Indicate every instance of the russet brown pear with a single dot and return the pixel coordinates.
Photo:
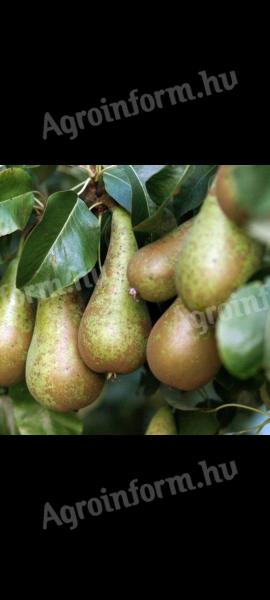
(227, 194)
(151, 272)
(178, 353)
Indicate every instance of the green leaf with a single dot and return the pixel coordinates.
(117, 185)
(241, 328)
(7, 420)
(140, 198)
(32, 419)
(190, 400)
(61, 249)
(253, 188)
(266, 357)
(193, 189)
(162, 185)
(145, 172)
(16, 200)
(198, 423)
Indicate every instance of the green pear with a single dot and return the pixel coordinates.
(227, 194)
(217, 258)
(56, 376)
(17, 319)
(115, 326)
(162, 423)
(151, 271)
(179, 353)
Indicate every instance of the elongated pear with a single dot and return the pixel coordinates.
(162, 423)
(16, 328)
(179, 354)
(56, 376)
(115, 326)
(151, 271)
(217, 258)
(227, 194)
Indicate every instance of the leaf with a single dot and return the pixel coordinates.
(61, 249)
(193, 189)
(240, 330)
(162, 185)
(7, 422)
(266, 355)
(140, 198)
(16, 200)
(190, 400)
(32, 419)
(198, 423)
(252, 184)
(170, 180)
(117, 185)
(145, 172)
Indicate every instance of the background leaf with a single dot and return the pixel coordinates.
(117, 185)
(61, 249)
(32, 419)
(162, 185)
(140, 197)
(16, 200)
(199, 423)
(240, 331)
(193, 189)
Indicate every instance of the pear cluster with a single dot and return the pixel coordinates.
(65, 351)
(202, 262)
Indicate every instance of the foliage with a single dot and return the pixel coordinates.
(59, 211)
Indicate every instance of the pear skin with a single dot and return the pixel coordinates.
(56, 376)
(217, 258)
(151, 272)
(178, 353)
(162, 423)
(17, 319)
(115, 326)
(227, 194)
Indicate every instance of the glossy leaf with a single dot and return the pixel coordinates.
(193, 189)
(32, 419)
(117, 185)
(253, 188)
(141, 201)
(16, 200)
(190, 400)
(162, 185)
(145, 172)
(61, 249)
(241, 330)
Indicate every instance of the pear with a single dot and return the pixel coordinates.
(178, 353)
(115, 326)
(217, 258)
(151, 272)
(162, 423)
(17, 319)
(56, 376)
(227, 194)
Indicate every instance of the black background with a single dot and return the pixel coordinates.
(232, 127)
